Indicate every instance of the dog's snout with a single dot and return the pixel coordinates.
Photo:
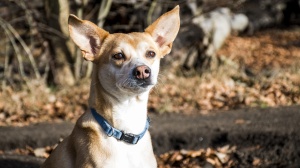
(142, 72)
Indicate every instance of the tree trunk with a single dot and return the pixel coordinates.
(61, 48)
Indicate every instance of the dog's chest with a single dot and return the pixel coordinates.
(129, 156)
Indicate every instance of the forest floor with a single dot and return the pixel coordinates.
(257, 72)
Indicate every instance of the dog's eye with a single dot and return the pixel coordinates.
(118, 56)
(150, 54)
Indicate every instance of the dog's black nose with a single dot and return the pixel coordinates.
(142, 72)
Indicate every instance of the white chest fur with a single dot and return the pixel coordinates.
(129, 156)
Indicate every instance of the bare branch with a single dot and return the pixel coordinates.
(103, 11)
(6, 75)
(15, 46)
(150, 12)
(25, 47)
(30, 20)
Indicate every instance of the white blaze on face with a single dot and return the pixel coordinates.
(142, 48)
(141, 51)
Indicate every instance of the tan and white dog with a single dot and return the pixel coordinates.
(115, 132)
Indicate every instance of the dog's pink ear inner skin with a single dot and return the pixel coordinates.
(164, 30)
(87, 36)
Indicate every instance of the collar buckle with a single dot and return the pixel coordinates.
(129, 138)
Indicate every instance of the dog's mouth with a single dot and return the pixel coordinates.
(134, 85)
(145, 85)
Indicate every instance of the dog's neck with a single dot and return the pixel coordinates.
(127, 113)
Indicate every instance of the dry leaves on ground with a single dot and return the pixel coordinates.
(197, 158)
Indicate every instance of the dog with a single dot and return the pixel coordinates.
(114, 132)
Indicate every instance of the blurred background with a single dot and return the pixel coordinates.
(229, 54)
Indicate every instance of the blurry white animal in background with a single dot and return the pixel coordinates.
(211, 29)
(217, 25)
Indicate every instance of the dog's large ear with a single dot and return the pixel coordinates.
(87, 36)
(164, 30)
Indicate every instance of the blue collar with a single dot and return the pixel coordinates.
(119, 135)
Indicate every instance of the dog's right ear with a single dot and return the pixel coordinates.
(87, 36)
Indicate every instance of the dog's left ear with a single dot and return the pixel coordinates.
(164, 30)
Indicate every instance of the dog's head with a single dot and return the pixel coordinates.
(126, 62)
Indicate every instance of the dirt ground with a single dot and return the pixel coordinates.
(262, 137)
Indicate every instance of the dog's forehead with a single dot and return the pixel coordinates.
(134, 40)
